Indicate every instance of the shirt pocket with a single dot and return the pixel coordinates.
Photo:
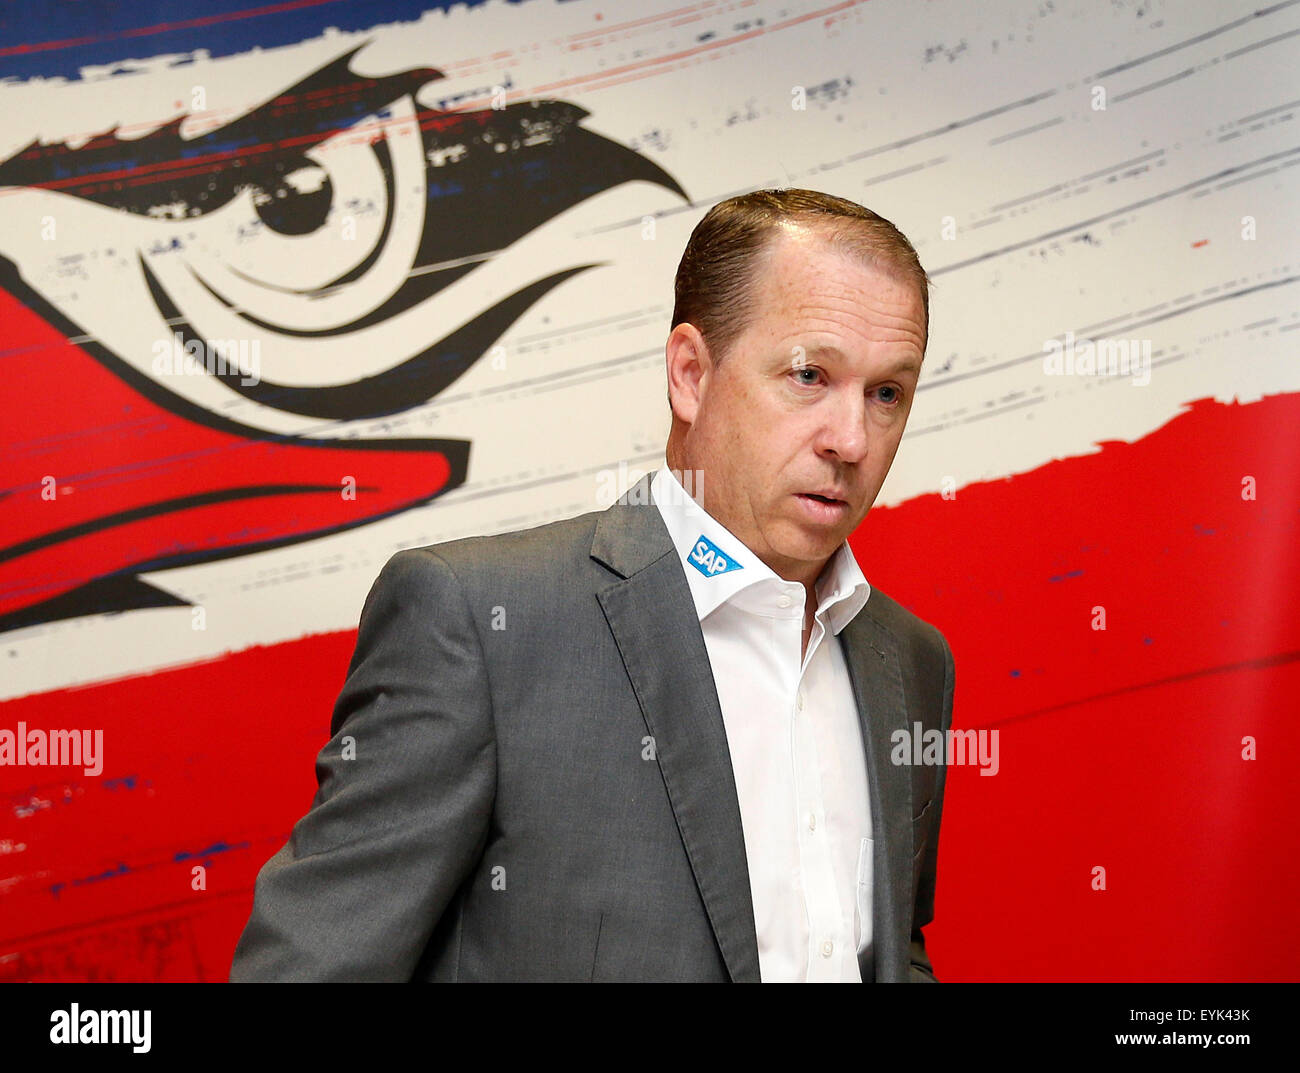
(863, 889)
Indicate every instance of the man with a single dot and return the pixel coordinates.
(652, 742)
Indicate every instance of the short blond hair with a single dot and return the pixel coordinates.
(715, 284)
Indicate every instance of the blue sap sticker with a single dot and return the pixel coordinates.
(709, 559)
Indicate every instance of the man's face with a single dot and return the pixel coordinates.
(811, 400)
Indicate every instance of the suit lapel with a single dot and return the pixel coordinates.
(653, 619)
(872, 657)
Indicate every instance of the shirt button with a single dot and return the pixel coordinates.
(812, 821)
(827, 947)
(799, 700)
(784, 601)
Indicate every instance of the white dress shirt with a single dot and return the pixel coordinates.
(795, 742)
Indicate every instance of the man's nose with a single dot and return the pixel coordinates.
(844, 431)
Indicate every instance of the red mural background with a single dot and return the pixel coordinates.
(1155, 748)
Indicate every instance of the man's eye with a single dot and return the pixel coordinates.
(890, 394)
(810, 371)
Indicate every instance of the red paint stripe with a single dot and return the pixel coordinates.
(127, 470)
(1114, 751)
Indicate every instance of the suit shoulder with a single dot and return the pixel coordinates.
(910, 629)
(925, 660)
(549, 546)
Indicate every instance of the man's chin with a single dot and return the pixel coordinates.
(800, 543)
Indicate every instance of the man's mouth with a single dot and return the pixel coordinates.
(823, 508)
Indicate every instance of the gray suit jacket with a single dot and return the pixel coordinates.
(529, 778)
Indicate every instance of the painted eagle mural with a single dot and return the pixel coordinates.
(214, 434)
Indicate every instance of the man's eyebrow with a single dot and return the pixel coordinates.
(903, 364)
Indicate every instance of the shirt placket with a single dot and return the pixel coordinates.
(815, 849)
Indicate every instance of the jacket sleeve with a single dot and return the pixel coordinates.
(921, 970)
(405, 790)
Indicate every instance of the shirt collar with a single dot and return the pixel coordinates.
(720, 569)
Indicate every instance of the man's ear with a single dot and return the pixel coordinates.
(689, 366)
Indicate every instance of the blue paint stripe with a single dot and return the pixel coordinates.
(59, 37)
